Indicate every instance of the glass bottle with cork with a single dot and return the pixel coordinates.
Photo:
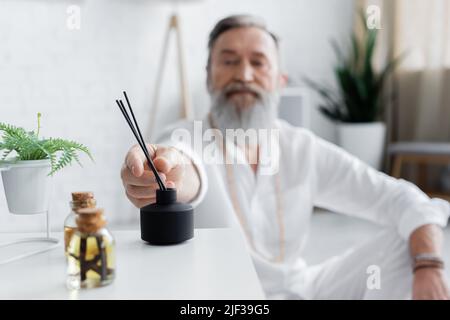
(91, 251)
(80, 200)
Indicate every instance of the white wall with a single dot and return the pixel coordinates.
(73, 77)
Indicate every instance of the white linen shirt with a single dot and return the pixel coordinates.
(313, 172)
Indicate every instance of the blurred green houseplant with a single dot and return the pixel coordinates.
(360, 96)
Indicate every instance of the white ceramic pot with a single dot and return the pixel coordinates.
(27, 186)
(363, 140)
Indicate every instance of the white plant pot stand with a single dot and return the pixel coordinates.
(47, 239)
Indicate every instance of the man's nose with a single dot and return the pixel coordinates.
(244, 72)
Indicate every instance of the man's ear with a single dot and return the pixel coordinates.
(283, 80)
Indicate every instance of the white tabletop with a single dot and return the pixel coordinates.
(212, 265)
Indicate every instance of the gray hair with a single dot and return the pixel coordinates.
(233, 22)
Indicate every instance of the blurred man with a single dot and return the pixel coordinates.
(273, 209)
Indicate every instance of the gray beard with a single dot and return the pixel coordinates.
(261, 115)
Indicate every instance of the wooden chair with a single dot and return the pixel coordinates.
(420, 154)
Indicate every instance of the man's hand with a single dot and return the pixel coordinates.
(175, 169)
(430, 284)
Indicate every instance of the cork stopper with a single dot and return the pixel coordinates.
(83, 199)
(90, 220)
(82, 195)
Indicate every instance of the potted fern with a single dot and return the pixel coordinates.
(27, 164)
(358, 105)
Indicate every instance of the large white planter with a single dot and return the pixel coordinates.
(363, 140)
(27, 186)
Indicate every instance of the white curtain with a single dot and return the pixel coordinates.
(423, 30)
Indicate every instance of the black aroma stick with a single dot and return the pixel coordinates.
(137, 133)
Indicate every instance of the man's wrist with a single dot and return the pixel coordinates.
(191, 189)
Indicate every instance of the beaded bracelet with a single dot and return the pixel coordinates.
(428, 265)
(427, 260)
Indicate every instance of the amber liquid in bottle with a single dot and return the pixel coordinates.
(90, 258)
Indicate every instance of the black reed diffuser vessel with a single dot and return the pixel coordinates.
(166, 221)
